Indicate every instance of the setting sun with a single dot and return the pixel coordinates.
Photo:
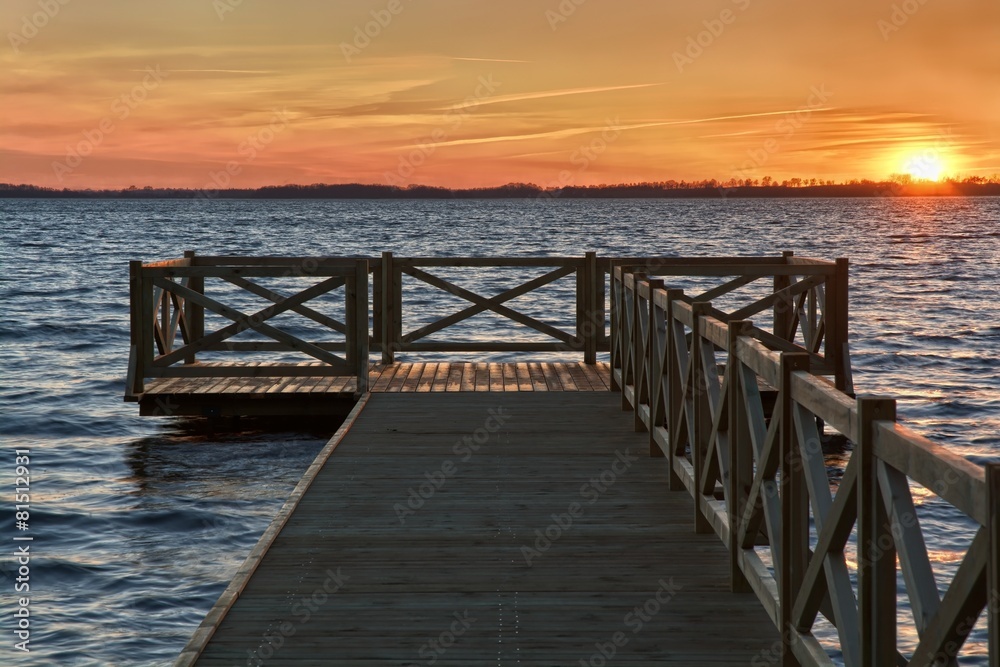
(925, 166)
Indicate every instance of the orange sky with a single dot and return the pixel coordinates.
(109, 93)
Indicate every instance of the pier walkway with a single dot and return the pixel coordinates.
(488, 529)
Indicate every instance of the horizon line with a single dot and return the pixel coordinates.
(673, 183)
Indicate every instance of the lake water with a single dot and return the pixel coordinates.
(139, 523)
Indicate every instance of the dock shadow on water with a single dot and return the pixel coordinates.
(190, 501)
(205, 490)
(188, 450)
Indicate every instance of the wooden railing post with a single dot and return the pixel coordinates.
(350, 323)
(673, 401)
(147, 319)
(376, 305)
(782, 307)
(876, 548)
(698, 390)
(194, 313)
(581, 305)
(794, 508)
(626, 319)
(836, 314)
(600, 300)
(590, 326)
(136, 363)
(655, 370)
(993, 571)
(396, 289)
(357, 323)
(615, 324)
(388, 310)
(643, 368)
(740, 455)
(635, 343)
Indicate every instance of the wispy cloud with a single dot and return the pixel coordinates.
(570, 132)
(728, 134)
(491, 60)
(220, 71)
(520, 97)
(713, 119)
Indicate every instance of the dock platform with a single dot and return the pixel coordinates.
(316, 395)
(671, 505)
(551, 542)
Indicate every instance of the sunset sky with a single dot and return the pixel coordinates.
(244, 93)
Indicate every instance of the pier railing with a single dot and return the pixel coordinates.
(169, 306)
(746, 442)
(586, 312)
(169, 302)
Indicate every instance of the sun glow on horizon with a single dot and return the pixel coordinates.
(927, 165)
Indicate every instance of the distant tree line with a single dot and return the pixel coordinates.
(897, 186)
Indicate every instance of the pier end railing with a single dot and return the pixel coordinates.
(168, 304)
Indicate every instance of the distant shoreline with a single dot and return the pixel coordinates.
(667, 190)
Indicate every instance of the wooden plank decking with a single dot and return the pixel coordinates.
(303, 394)
(406, 579)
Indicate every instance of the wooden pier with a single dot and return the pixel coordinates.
(470, 548)
(669, 506)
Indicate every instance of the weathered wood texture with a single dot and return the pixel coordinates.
(396, 377)
(759, 479)
(462, 550)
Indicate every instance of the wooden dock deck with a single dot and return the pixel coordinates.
(471, 550)
(312, 395)
(726, 536)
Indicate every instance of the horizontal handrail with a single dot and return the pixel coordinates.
(303, 263)
(460, 262)
(958, 481)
